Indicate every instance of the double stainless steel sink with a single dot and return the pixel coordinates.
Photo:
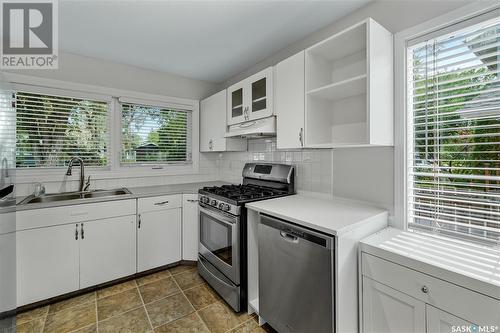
(74, 196)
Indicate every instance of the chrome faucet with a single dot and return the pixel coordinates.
(82, 172)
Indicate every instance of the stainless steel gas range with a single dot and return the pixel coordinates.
(222, 258)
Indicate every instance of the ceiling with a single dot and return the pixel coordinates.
(205, 40)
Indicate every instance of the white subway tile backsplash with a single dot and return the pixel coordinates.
(313, 166)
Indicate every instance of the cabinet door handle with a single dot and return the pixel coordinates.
(76, 232)
(82, 231)
(425, 289)
(210, 145)
(161, 203)
(301, 136)
(192, 200)
(139, 222)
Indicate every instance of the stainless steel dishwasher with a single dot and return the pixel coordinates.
(296, 277)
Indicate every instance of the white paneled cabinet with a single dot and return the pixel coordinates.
(289, 102)
(159, 234)
(251, 98)
(388, 310)
(439, 321)
(63, 249)
(404, 293)
(213, 126)
(190, 227)
(7, 261)
(107, 250)
(47, 262)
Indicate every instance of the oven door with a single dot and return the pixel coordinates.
(219, 241)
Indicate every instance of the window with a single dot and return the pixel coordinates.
(453, 133)
(153, 134)
(51, 129)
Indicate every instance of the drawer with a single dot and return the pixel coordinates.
(159, 203)
(462, 302)
(45, 217)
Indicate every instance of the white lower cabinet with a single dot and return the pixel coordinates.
(7, 261)
(439, 321)
(388, 310)
(396, 298)
(107, 250)
(159, 234)
(190, 227)
(47, 262)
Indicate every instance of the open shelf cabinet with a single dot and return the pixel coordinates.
(349, 88)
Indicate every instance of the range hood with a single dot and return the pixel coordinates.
(258, 128)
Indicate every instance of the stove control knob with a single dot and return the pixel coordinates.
(226, 207)
(205, 200)
(214, 203)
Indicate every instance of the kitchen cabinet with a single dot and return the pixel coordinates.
(47, 262)
(349, 88)
(403, 292)
(107, 250)
(159, 234)
(251, 98)
(7, 261)
(213, 126)
(64, 249)
(439, 321)
(388, 310)
(289, 102)
(190, 227)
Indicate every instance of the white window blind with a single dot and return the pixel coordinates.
(453, 143)
(154, 134)
(51, 129)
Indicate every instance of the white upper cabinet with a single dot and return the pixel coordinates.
(251, 98)
(349, 88)
(289, 102)
(213, 126)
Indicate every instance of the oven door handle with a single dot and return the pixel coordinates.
(218, 217)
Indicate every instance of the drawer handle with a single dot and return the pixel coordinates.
(425, 289)
(78, 213)
(161, 203)
(192, 200)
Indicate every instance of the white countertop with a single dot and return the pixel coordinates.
(464, 263)
(332, 216)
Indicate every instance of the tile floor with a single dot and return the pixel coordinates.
(173, 300)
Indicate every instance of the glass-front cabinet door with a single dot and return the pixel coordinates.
(251, 98)
(261, 94)
(237, 108)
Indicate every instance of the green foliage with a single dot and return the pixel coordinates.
(52, 130)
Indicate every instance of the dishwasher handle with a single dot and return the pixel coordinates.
(289, 238)
(292, 233)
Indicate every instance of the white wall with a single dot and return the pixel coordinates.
(86, 70)
(365, 174)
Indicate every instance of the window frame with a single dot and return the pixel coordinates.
(455, 20)
(162, 104)
(114, 168)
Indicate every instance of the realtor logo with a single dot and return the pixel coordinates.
(29, 34)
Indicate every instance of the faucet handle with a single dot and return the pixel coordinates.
(87, 184)
(39, 190)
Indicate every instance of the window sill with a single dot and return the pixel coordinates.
(456, 261)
